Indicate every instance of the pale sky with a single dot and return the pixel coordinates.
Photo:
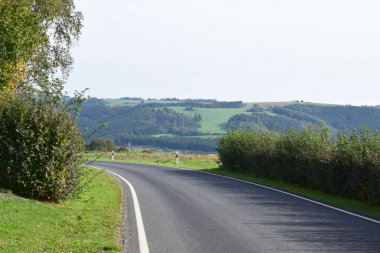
(324, 51)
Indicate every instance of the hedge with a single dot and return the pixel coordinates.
(346, 165)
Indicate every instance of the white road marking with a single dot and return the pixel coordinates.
(291, 194)
(143, 243)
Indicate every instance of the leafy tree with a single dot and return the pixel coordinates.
(39, 140)
(20, 36)
(35, 41)
(101, 145)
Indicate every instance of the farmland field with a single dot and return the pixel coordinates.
(213, 119)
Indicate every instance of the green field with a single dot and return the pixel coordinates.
(213, 119)
(87, 224)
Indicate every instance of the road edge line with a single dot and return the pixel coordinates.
(143, 243)
(287, 193)
(291, 194)
(270, 188)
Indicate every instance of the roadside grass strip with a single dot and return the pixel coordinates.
(87, 224)
(143, 243)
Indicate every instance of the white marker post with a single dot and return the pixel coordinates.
(113, 155)
(177, 157)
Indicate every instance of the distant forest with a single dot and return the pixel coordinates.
(154, 122)
(143, 119)
(300, 115)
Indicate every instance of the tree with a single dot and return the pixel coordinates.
(35, 41)
(39, 140)
(101, 145)
(20, 36)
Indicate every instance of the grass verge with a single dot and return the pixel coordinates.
(87, 224)
(192, 161)
(209, 165)
(190, 164)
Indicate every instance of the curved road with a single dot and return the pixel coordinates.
(188, 211)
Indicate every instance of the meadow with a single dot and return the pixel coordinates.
(213, 119)
(193, 161)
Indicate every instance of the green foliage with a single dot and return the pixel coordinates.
(39, 140)
(40, 148)
(264, 121)
(138, 120)
(35, 41)
(101, 145)
(347, 165)
(339, 116)
(356, 158)
(301, 115)
(20, 35)
(129, 118)
(188, 103)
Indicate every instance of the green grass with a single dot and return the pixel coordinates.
(213, 119)
(87, 224)
(190, 164)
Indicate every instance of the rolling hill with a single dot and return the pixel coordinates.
(195, 124)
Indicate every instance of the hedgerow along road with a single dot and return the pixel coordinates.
(190, 211)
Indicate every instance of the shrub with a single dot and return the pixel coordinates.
(40, 148)
(101, 145)
(347, 165)
(122, 150)
(356, 161)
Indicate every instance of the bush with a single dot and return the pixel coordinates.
(101, 145)
(347, 165)
(122, 150)
(40, 148)
(356, 161)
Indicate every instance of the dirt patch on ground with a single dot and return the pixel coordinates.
(3, 195)
(9, 195)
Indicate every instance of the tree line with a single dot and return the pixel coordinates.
(136, 120)
(301, 115)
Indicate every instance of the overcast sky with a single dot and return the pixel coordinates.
(269, 50)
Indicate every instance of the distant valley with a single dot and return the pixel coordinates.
(195, 124)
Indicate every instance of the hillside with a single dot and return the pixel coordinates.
(195, 124)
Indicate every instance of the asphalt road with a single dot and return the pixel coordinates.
(188, 211)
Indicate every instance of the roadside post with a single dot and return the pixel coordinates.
(177, 157)
(113, 155)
